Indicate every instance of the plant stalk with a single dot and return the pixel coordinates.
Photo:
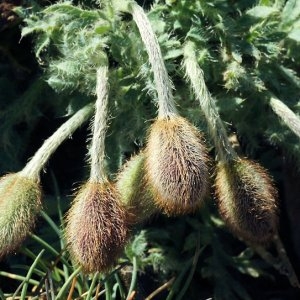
(225, 151)
(38, 161)
(97, 173)
(163, 84)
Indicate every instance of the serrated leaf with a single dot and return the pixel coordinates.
(295, 35)
(291, 11)
(261, 12)
(172, 54)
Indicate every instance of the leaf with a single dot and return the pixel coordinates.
(291, 11)
(261, 12)
(295, 35)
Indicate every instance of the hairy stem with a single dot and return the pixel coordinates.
(216, 127)
(41, 157)
(162, 81)
(98, 173)
(286, 115)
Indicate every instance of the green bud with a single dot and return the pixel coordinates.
(20, 203)
(97, 228)
(176, 165)
(247, 200)
(133, 189)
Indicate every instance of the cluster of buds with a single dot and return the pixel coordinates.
(171, 175)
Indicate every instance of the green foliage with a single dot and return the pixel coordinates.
(248, 50)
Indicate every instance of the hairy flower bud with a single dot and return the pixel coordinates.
(176, 165)
(133, 189)
(96, 230)
(247, 200)
(20, 203)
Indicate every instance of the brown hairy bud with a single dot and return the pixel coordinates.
(20, 203)
(96, 230)
(247, 200)
(134, 191)
(176, 165)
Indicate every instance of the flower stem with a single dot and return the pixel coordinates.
(224, 150)
(162, 81)
(98, 173)
(41, 157)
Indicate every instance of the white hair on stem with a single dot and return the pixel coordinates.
(38, 161)
(97, 151)
(195, 75)
(286, 115)
(163, 84)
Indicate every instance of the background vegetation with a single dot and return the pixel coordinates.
(249, 52)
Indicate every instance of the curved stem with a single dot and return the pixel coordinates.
(98, 173)
(133, 278)
(216, 127)
(41, 157)
(285, 114)
(162, 81)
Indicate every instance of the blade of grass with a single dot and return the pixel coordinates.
(17, 277)
(133, 277)
(49, 248)
(107, 290)
(51, 223)
(92, 286)
(61, 219)
(30, 254)
(191, 273)
(120, 285)
(29, 274)
(63, 289)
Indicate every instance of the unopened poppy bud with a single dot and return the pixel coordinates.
(134, 191)
(247, 200)
(96, 230)
(20, 204)
(176, 165)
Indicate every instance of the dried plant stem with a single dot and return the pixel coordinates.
(97, 151)
(70, 295)
(194, 73)
(161, 288)
(286, 115)
(162, 81)
(41, 157)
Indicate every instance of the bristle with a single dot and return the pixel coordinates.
(176, 165)
(247, 200)
(134, 191)
(20, 203)
(96, 230)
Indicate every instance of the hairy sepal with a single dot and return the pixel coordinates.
(97, 227)
(134, 191)
(247, 200)
(20, 204)
(176, 165)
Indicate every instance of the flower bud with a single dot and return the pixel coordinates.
(20, 203)
(134, 192)
(176, 165)
(96, 230)
(247, 200)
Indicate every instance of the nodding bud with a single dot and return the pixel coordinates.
(20, 204)
(134, 191)
(96, 230)
(247, 200)
(176, 165)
